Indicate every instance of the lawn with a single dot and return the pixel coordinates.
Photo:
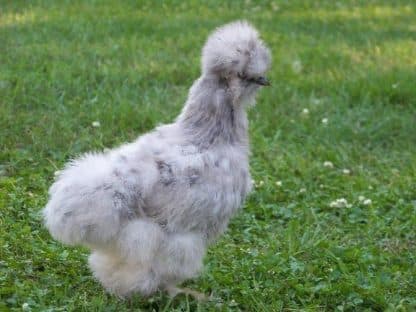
(331, 223)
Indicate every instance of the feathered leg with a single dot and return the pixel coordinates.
(146, 259)
(128, 267)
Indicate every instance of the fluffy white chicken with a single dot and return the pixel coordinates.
(148, 209)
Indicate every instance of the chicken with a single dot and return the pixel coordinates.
(147, 210)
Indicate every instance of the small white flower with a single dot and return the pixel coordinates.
(361, 198)
(96, 124)
(305, 111)
(328, 164)
(316, 101)
(233, 303)
(25, 306)
(324, 121)
(3, 84)
(346, 171)
(57, 173)
(339, 203)
(302, 190)
(261, 183)
(297, 66)
(278, 183)
(367, 202)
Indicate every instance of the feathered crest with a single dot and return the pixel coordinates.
(235, 48)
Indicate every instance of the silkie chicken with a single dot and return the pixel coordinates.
(148, 210)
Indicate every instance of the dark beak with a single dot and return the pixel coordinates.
(262, 81)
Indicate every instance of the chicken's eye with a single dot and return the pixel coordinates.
(242, 76)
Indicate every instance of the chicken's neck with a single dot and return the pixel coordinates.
(210, 118)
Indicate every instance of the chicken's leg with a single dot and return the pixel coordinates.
(173, 291)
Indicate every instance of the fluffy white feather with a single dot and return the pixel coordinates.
(148, 209)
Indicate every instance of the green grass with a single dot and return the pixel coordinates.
(65, 64)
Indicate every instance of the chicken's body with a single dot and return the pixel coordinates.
(149, 209)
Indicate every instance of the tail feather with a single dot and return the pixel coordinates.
(86, 204)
